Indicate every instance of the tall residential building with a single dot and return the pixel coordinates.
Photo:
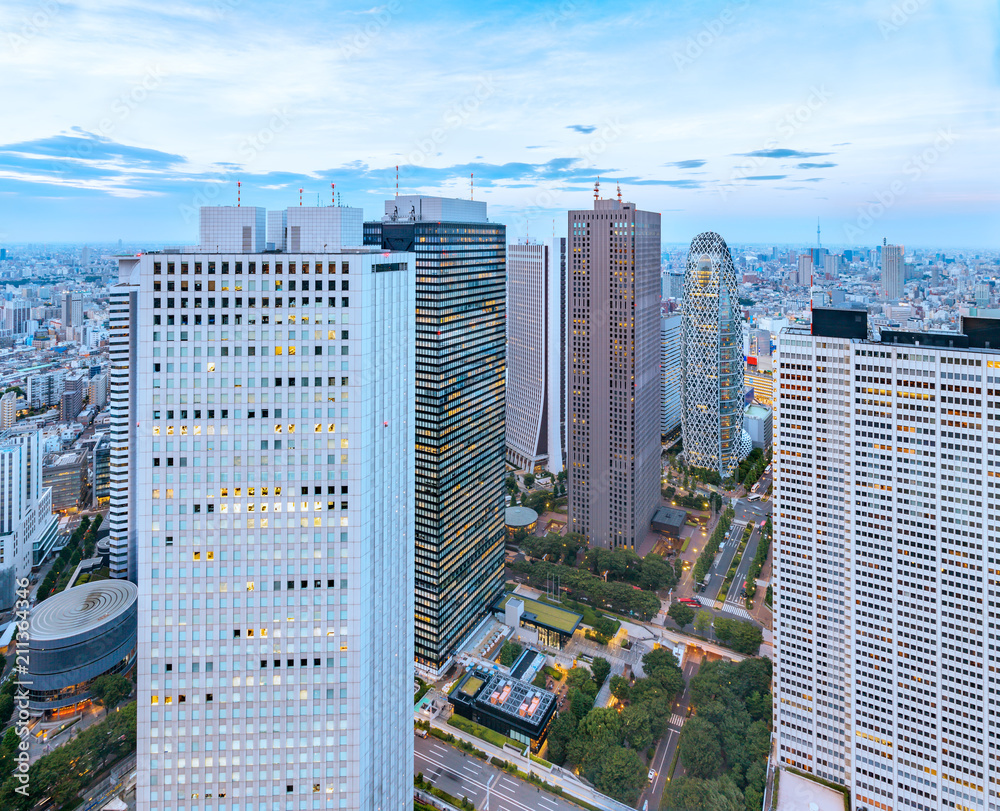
(563, 281)
(613, 373)
(886, 493)
(534, 350)
(892, 272)
(269, 400)
(804, 271)
(45, 389)
(712, 357)
(16, 315)
(72, 314)
(8, 410)
(670, 372)
(460, 367)
(74, 393)
(25, 507)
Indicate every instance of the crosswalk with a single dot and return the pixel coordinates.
(677, 720)
(736, 610)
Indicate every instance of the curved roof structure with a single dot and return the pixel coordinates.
(520, 517)
(81, 609)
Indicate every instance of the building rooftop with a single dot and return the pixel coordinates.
(82, 608)
(520, 517)
(797, 793)
(558, 619)
(757, 412)
(669, 517)
(509, 696)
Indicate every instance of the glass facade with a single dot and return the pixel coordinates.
(712, 357)
(461, 371)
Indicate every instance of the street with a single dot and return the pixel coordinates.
(463, 775)
(665, 749)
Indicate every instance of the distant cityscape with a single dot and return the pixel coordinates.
(255, 475)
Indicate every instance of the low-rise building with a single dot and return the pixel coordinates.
(66, 474)
(554, 626)
(506, 705)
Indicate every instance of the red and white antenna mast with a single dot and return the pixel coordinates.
(597, 187)
(619, 193)
(238, 184)
(472, 185)
(397, 180)
(333, 194)
(300, 197)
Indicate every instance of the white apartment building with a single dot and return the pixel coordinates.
(26, 518)
(262, 470)
(886, 576)
(534, 359)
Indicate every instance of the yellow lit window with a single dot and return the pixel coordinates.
(210, 367)
(278, 350)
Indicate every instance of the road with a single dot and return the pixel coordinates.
(463, 775)
(735, 594)
(664, 754)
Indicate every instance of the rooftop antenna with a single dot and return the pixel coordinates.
(318, 204)
(397, 180)
(300, 197)
(472, 185)
(333, 194)
(819, 243)
(597, 187)
(238, 184)
(619, 193)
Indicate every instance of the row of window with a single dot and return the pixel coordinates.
(265, 268)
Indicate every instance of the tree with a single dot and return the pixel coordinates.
(623, 775)
(661, 668)
(601, 667)
(561, 732)
(539, 680)
(636, 727)
(620, 688)
(8, 751)
(111, 689)
(509, 653)
(742, 636)
(700, 751)
(693, 794)
(529, 480)
(6, 707)
(579, 702)
(702, 622)
(681, 614)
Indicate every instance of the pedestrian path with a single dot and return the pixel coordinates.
(736, 610)
(677, 720)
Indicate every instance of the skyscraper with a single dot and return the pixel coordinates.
(534, 350)
(72, 310)
(805, 270)
(613, 372)
(892, 271)
(8, 410)
(885, 494)
(711, 357)
(460, 377)
(670, 372)
(270, 448)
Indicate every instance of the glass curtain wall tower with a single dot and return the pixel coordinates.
(712, 357)
(460, 389)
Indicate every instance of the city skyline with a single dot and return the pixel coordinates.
(877, 144)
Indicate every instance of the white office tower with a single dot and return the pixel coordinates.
(25, 508)
(534, 371)
(886, 492)
(670, 372)
(892, 271)
(272, 423)
(232, 229)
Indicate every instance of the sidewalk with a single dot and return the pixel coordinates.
(555, 776)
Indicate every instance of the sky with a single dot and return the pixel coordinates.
(880, 118)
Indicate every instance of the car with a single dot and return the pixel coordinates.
(651, 775)
(420, 731)
(722, 547)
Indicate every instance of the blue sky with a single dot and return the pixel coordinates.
(750, 118)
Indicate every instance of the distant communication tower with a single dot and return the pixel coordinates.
(597, 187)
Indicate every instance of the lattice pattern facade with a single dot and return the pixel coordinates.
(711, 349)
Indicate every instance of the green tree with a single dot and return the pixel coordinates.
(702, 622)
(509, 653)
(561, 732)
(623, 775)
(600, 668)
(6, 707)
(620, 688)
(700, 750)
(636, 727)
(111, 689)
(529, 480)
(661, 667)
(539, 680)
(694, 794)
(682, 614)
(742, 636)
(8, 751)
(579, 702)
